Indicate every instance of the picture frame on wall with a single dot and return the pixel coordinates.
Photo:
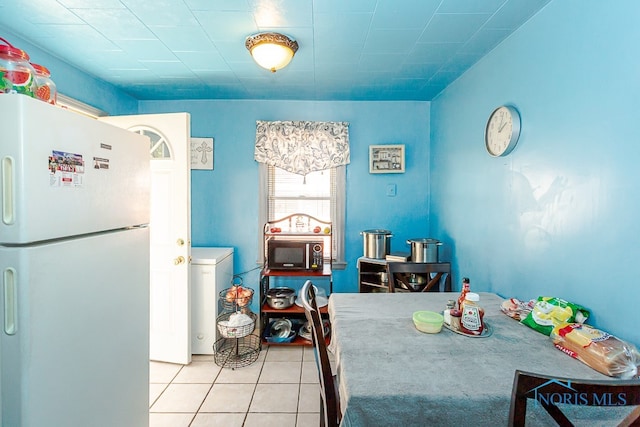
(202, 153)
(386, 158)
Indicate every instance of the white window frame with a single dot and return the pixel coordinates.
(338, 209)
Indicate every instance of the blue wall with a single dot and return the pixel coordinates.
(76, 83)
(558, 216)
(225, 200)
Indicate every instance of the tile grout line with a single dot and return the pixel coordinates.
(207, 394)
(245, 415)
(166, 386)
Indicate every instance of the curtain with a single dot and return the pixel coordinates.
(302, 147)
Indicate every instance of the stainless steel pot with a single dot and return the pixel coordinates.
(376, 243)
(281, 298)
(424, 250)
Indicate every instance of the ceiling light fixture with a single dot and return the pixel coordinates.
(272, 51)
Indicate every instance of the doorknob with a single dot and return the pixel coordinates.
(179, 260)
(180, 242)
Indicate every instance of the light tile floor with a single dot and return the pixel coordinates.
(279, 389)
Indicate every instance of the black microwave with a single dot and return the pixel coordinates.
(295, 255)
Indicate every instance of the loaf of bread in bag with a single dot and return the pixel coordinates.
(601, 351)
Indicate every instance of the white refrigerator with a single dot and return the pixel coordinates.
(74, 269)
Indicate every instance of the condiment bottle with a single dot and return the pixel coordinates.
(455, 316)
(471, 321)
(16, 73)
(451, 305)
(466, 288)
(46, 91)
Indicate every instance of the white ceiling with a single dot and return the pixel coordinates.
(194, 49)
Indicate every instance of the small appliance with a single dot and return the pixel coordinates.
(302, 255)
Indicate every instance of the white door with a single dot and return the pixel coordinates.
(170, 231)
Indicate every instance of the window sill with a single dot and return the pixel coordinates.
(339, 265)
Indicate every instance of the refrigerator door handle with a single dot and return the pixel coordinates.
(10, 301)
(8, 204)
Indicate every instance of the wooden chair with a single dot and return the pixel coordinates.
(399, 273)
(330, 414)
(547, 390)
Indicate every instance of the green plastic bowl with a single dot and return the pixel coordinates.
(429, 322)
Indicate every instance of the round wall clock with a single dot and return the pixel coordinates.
(502, 131)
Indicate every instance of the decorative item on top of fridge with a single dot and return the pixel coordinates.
(18, 75)
(46, 91)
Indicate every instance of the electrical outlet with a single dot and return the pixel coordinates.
(391, 190)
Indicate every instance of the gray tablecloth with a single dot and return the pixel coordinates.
(391, 374)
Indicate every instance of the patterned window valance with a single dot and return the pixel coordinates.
(302, 147)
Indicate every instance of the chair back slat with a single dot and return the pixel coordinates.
(527, 385)
(329, 400)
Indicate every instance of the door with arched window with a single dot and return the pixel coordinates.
(170, 231)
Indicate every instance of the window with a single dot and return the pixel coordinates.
(319, 194)
(316, 154)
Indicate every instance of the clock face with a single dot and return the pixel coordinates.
(503, 131)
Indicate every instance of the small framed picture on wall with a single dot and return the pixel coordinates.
(386, 158)
(202, 153)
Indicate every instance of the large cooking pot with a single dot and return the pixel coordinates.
(424, 250)
(376, 243)
(281, 298)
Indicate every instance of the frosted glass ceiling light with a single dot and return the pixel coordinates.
(272, 51)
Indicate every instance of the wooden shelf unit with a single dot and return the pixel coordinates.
(372, 272)
(289, 231)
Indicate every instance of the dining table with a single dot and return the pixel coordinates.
(391, 374)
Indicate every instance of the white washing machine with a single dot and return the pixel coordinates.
(211, 272)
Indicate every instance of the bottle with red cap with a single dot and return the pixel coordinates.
(46, 91)
(16, 73)
(471, 320)
(466, 288)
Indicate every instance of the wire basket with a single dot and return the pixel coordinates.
(235, 297)
(236, 353)
(235, 331)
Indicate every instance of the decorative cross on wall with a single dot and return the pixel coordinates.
(204, 149)
(200, 149)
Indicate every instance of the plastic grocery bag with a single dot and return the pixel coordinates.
(549, 312)
(603, 352)
(517, 309)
